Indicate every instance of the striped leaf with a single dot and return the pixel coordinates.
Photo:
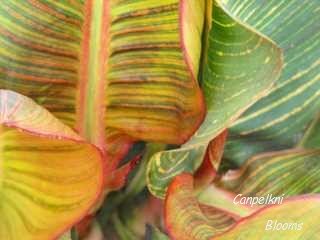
(115, 71)
(101, 66)
(286, 221)
(277, 120)
(284, 173)
(241, 65)
(186, 219)
(152, 91)
(272, 176)
(49, 177)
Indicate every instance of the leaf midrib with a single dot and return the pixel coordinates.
(93, 70)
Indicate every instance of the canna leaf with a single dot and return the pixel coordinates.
(274, 222)
(233, 79)
(117, 72)
(152, 91)
(103, 66)
(185, 218)
(284, 173)
(276, 121)
(210, 165)
(47, 172)
(270, 175)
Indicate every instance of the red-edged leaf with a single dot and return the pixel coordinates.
(49, 176)
(209, 167)
(184, 216)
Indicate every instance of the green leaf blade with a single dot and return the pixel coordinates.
(293, 102)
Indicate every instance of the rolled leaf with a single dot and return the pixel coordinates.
(49, 177)
(210, 165)
(233, 79)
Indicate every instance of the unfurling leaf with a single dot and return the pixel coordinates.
(241, 66)
(210, 165)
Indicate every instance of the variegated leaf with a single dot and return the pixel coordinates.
(185, 220)
(96, 65)
(276, 121)
(49, 176)
(284, 173)
(241, 66)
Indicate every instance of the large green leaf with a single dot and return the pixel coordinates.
(49, 177)
(241, 66)
(126, 65)
(277, 120)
